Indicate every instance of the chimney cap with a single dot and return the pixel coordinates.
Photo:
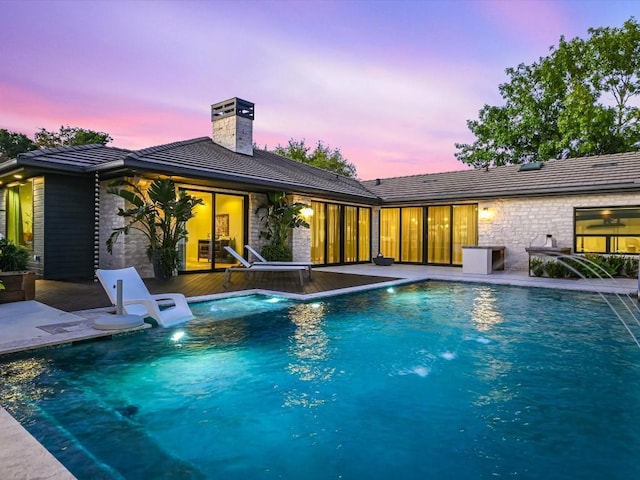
(233, 106)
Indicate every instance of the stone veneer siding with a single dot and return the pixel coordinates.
(129, 250)
(234, 133)
(515, 222)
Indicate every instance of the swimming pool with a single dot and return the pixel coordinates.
(431, 380)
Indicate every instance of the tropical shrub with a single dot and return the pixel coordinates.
(160, 214)
(13, 258)
(279, 217)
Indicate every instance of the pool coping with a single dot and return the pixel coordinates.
(27, 458)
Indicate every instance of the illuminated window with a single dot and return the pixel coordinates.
(20, 214)
(607, 230)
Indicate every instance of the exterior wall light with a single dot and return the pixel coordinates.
(485, 214)
(306, 211)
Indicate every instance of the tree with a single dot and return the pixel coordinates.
(279, 217)
(70, 136)
(160, 215)
(12, 144)
(577, 101)
(322, 157)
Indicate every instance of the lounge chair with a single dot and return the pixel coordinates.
(137, 300)
(262, 260)
(257, 267)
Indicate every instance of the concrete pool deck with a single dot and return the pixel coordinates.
(31, 325)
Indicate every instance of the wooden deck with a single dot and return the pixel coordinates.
(76, 296)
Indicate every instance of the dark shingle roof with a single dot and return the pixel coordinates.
(78, 158)
(202, 158)
(198, 157)
(573, 175)
(206, 159)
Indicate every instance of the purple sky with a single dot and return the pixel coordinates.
(391, 84)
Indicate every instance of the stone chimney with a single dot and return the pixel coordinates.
(233, 125)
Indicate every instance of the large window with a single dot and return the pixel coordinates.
(607, 230)
(439, 234)
(218, 222)
(340, 233)
(390, 232)
(412, 233)
(465, 230)
(20, 214)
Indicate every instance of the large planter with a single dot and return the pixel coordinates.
(18, 286)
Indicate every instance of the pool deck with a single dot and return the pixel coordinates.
(63, 313)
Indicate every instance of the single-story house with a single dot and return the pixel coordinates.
(56, 204)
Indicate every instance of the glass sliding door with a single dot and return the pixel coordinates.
(333, 233)
(465, 229)
(318, 232)
(412, 234)
(217, 223)
(196, 251)
(229, 228)
(364, 234)
(350, 234)
(390, 232)
(439, 235)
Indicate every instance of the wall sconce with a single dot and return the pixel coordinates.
(306, 211)
(485, 214)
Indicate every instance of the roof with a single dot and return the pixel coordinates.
(201, 158)
(603, 173)
(79, 158)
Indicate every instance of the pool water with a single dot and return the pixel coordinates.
(427, 381)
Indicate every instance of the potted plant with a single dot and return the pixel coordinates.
(160, 214)
(279, 217)
(16, 283)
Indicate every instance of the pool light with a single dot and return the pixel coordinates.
(273, 300)
(391, 290)
(177, 335)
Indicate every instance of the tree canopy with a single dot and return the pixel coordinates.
(70, 136)
(579, 100)
(322, 157)
(12, 144)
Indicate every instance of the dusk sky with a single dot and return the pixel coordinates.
(390, 83)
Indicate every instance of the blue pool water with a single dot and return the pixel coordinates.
(430, 381)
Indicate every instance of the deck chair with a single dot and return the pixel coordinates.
(257, 267)
(137, 300)
(262, 260)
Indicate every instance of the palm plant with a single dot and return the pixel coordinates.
(160, 214)
(279, 217)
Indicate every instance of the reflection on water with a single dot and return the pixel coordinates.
(308, 351)
(21, 376)
(485, 312)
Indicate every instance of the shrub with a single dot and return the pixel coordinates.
(537, 266)
(13, 258)
(276, 253)
(631, 267)
(557, 269)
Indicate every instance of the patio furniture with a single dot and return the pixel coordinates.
(137, 300)
(383, 261)
(245, 266)
(263, 261)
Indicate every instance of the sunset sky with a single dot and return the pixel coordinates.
(390, 83)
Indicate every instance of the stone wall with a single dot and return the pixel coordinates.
(129, 250)
(234, 133)
(515, 223)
